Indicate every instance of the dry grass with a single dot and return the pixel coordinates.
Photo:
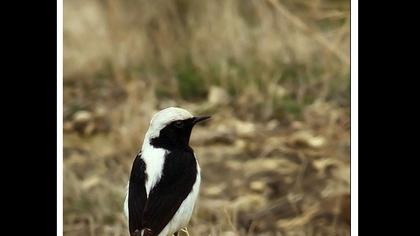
(275, 77)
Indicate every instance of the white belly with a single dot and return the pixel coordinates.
(184, 212)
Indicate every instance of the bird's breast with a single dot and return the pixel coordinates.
(154, 158)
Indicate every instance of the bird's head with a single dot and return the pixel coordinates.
(171, 128)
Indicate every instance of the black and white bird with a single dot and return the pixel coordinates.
(165, 176)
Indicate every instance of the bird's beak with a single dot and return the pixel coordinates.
(197, 119)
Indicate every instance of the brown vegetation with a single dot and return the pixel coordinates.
(273, 74)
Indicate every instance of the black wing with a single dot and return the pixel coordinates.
(177, 181)
(136, 195)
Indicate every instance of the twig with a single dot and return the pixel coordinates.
(185, 230)
(268, 210)
(229, 219)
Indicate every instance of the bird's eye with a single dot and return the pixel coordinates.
(179, 124)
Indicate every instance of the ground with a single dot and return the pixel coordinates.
(274, 75)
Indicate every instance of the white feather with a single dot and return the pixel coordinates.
(154, 159)
(164, 117)
(184, 212)
(126, 201)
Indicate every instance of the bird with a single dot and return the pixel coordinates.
(165, 176)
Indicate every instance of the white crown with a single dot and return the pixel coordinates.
(163, 118)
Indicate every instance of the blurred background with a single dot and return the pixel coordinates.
(273, 74)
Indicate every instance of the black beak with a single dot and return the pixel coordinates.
(197, 119)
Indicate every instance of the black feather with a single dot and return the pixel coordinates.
(176, 183)
(136, 195)
(178, 177)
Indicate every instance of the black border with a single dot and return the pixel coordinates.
(30, 85)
